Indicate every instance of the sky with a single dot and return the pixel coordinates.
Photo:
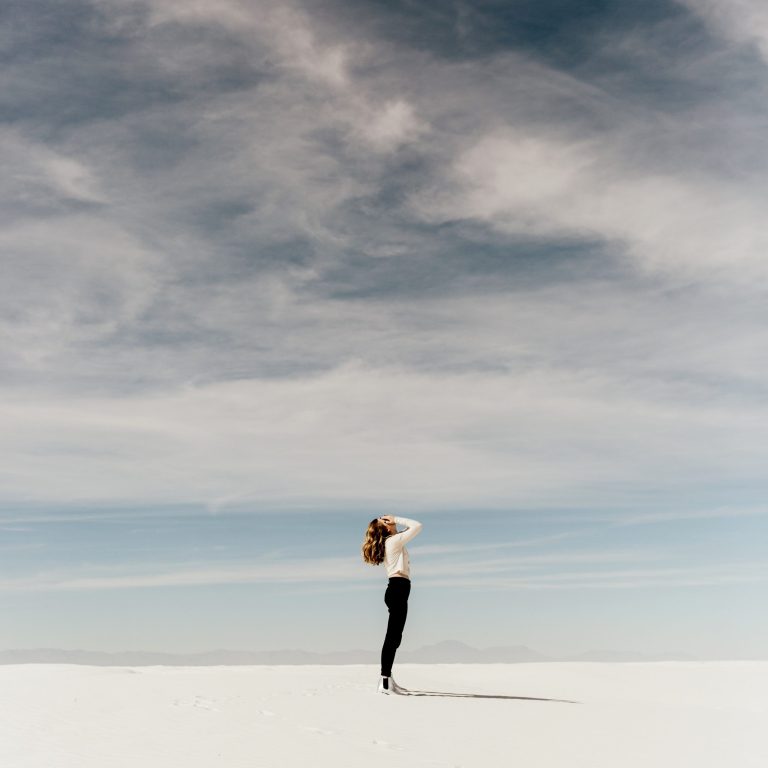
(271, 270)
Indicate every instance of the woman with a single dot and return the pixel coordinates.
(383, 544)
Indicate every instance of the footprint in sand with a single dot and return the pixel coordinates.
(318, 731)
(205, 703)
(199, 702)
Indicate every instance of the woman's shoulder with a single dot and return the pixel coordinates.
(394, 539)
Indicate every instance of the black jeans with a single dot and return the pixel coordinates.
(396, 598)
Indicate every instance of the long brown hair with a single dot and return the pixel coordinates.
(373, 546)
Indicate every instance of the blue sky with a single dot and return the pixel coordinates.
(271, 270)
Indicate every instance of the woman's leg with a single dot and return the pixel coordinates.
(396, 598)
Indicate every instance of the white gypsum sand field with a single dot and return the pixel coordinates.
(623, 715)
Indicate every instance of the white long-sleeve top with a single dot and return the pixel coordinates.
(395, 554)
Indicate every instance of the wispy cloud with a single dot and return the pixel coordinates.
(692, 514)
(547, 571)
(699, 576)
(446, 549)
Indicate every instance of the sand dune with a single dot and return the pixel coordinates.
(545, 715)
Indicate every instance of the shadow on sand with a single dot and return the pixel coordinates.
(408, 692)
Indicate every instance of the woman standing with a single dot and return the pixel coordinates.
(383, 544)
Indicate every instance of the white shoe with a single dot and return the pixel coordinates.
(391, 687)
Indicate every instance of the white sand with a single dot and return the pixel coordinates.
(676, 714)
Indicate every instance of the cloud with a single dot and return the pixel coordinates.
(294, 43)
(744, 21)
(39, 177)
(544, 186)
(69, 285)
(493, 440)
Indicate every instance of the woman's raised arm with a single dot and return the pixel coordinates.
(413, 529)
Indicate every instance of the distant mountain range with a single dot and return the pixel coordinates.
(445, 652)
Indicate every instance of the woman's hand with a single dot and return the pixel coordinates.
(388, 519)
